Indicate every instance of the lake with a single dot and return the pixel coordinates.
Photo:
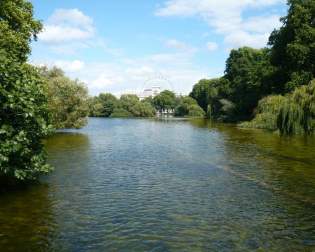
(166, 185)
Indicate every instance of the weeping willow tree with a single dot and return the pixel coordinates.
(266, 113)
(297, 112)
(290, 114)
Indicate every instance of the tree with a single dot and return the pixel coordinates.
(109, 102)
(267, 113)
(291, 114)
(67, 99)
(297, 111)
(201, 92)
(103, 105)
(165, 100)
(293, 46)
(248, 71)
(23, 111)
(142, 109)
(120, 112)
(188, 107)
(95, 107)
(212, 95)
(128, 101)
(18, 27)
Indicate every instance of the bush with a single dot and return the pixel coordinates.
(120, 112)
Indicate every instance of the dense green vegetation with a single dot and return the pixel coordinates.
(188, 107)
(67, 99)
(272, 85)
(33, 101)
(23, 106)
(107, 105)
(293, 113)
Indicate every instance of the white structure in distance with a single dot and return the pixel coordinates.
(153, 91)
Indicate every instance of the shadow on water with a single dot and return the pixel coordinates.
(29, 214)
(26, 220)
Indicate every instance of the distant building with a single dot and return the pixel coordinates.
(153, 91)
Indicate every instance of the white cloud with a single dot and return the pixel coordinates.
(212, 46)
(138, 73)
(242, 38)
(105, 80)
(227, 17)
(67, 25)
(173, 43)
(131, 75)
(261, 24)
(70, 66)
(180, 46)
(72, 17)
(121, 74)
(59, 34)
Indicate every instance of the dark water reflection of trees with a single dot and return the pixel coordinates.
(28, 220)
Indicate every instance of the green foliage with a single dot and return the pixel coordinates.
(248, 71)
(103, 105)
(266, 113)
(188, 107)
(23, 111)
(95, 107)
(107, 105)
(297, 112)
(195, 110)
(142, 109)
(17, 28)
(290, 114)
(293, 46)
(165, 100)
(120, 112)
(67, 99)
(204, 91)
(212, 95)
(128, 101)
(135, 107)
(149, 100)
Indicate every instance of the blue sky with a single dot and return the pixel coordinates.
(122, 46)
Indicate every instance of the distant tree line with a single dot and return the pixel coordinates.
(272, 88)
(128, 105)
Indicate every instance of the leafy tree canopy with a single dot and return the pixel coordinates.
(103, 105)
(67, 99)
(188, 107)
(23, 111)
(248, 71)
(165, 100)
(293, 46)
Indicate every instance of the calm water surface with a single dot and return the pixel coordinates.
(148, 185)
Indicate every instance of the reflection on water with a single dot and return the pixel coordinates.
(26, 220)
(150, 185)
